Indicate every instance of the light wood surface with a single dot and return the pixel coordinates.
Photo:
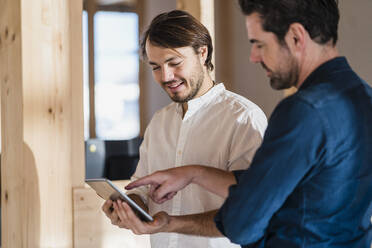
(42, 155)
(203, 10)
(77, 98)
(92, 229)
(12, 210)
(91, 11)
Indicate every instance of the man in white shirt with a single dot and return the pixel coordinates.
(205, 124)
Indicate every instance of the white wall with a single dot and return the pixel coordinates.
(355, 36)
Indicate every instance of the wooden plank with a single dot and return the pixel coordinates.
(38, 116)
(13, 204)
(91, 10)
(93, 229)
(203, 10)
(142, 79)
(77, 99)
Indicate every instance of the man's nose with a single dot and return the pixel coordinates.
(255, 56)
(167, 74)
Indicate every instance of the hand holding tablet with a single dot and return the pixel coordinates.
(107, 190)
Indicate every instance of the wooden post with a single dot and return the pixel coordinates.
(42, 120)
(91, 10)
(203, 10)
(142, 80)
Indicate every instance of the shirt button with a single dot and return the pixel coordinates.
(179, 152)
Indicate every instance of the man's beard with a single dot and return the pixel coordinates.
(195, 84)
(195, 87)
(286, 76)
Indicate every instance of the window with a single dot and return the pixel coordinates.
(116, 75)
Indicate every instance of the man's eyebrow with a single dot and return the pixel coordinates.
(253, 41)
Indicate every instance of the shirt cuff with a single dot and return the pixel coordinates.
(238, 174)
(218, 216)
(219, 224)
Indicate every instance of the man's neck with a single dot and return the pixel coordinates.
(207, 84)
(314, 58)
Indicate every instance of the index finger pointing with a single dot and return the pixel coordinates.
(140, 182)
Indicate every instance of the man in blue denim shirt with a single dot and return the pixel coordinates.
(310, 183)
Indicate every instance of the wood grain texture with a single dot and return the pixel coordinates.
(203, 10)
(41, 133)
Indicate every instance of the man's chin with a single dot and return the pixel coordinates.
(178, 98)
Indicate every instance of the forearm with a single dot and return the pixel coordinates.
(214, 180)
(196, 224)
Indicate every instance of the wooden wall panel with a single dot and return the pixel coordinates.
(14, 204)
(203, 10)
(77, 98)
(42, 131)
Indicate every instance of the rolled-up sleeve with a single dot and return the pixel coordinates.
(292, 145)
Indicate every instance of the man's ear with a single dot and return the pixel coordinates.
(296, 37)
(203, 53)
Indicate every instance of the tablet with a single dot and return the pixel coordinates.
(107, 190)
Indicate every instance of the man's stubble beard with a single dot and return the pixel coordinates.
(288, 75)
(195, 86)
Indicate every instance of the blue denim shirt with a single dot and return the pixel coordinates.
(310, 183)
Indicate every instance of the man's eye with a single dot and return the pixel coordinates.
(155, 68)
(175, 64)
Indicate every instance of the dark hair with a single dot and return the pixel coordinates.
(176, 29)
(319, 17)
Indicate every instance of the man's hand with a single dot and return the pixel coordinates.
(108, 209)
(165, 184)
(127, 219)
(123, 216)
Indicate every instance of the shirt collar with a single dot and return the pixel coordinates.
(195, 104)
(336, 64)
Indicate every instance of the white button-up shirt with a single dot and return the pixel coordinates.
(220, 129)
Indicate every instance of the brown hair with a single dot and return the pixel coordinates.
(319, 17)
(176, 29)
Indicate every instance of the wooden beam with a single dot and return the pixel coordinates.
(91, 10)
(12, 140)
(42, 127)
(77, 89)
(203, 10)
(142, 79)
